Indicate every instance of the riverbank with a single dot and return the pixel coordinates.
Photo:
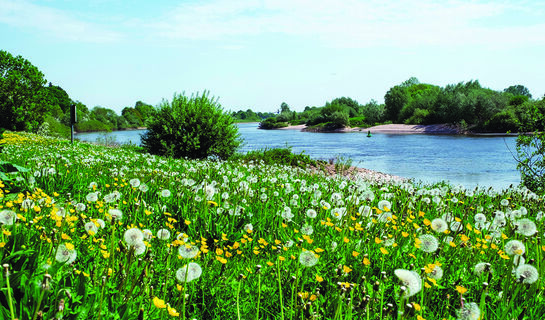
(395, 129)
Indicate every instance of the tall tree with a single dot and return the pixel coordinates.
(21, 93)
(518, 90)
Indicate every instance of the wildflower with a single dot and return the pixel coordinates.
(526, 227)
(470, 311)
(504, 202)
(439, 225)
(456, 226)
(147, 234)
(338, 213)
(286, 213)
(384, 205)
(428, 243)
(139, 248)
(385, 217)
(7, 217)
(101, 223)
(134, 182)
(132, 236)
(163, 234)
(249, 228)
(411, 280)
(172, 312)
(311, 213)
(80, 207)
(159, 303)
(307, 229)
(116, 214)
(461, 289)
(188, 251)
(526, 273)
(480, 218)
(308, 259)
(189, 272)
(165, 193)
(515, 247)
(66, 254)
(434, 271)
(482, 267)
(92, 197)
(143, 187)
(91, 228)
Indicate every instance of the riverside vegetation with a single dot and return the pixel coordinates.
(110, 233)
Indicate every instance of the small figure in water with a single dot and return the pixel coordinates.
(369, 134)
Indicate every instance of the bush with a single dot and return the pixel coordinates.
(358, 122)
(272, 123)
(194, 127)
(531, 150)
(277, 156)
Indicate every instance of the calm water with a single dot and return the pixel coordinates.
(469, 161)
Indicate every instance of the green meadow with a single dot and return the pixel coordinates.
(95, 232)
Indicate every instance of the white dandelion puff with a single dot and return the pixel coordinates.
(439, 225)
(163, 234)
(188, 251)
(515, 247)
(470, 311)
(526, 227)
(411, 280)
(428, 243)
(189, 272)
(132, 236)
(308, 259)
(526, 273)
(7, 217)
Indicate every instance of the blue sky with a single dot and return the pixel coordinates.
(259, 53)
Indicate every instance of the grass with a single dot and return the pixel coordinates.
(231, 240)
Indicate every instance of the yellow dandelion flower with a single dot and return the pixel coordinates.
(172, 312)
(319, 278)
(159, 303)
(346, 269)
(355, 254)
(366, 261)
(461, 289)
(383, 251)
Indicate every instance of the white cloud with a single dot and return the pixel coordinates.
(352, 23)
(53, 22)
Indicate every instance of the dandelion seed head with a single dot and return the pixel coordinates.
(308, 259)
(526, 227)
(7, 217)
(132, 236)
(515, 247)
(439, 225)
(482, 267)
(189, 272)
(188, 251)
(311, 213)
(65, 255)
(163, 234)
(411, 280)
(428, 243)
(527, 273)
(470, 311)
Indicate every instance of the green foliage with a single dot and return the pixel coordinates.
(272, 123)
(531, 149)
(517, 90)
(357, 121)
(194, 127)
(276, 156)
(21, 93)
(53, 128)
(91, 125)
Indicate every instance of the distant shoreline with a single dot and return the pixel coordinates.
(405, 129)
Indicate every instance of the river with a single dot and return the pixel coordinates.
(470, 161)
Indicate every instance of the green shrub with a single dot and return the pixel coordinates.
(357, 122)
(277, 156)
(53, 128)
(272, 123)
(195, 127)
(91, 125)
(531, 149)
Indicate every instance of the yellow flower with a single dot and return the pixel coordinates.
(346, 269)
(355, 254)
(319, 278)
(383, 250)
(172, 311)
(159, 303)
(69, 246)
(461, 289)
(366, 261)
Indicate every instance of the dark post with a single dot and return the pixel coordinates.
(73, 119)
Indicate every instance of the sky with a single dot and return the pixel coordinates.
(259, 53)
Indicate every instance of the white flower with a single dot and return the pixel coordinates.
(163, 234)
(92, 197)
(188, 251)
(311, 213)
(7, 217)
(384, 205)
(139, 248)
(286, 213)
(165, 193)
(249, 227)
(135, 183)
(132, 236)
(307, 229)
(411, 280)
(480, 218)
(65, 255)
(526, 227)
(308, 259)
(439, 225)
(482, 267)
(147, 234)
(91, 228)
(101, 223)
(504, 202)
(470, 311)
(338, 213)
(143, 187)
(428, 243)
(116, 214)
(189, 272)
(515, 247)
(527, 274)
(436, 273)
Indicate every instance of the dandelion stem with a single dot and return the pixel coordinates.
(280, 289)
(12, 313)
(258, 295)
(238, 298)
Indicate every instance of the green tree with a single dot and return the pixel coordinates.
(394, 100)
(195, 127)
(518, 90)
(531, 149)
(21, 93)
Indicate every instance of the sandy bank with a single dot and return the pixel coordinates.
(394, 129)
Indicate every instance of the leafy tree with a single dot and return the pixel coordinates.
(373, 112)
(531, 149)
(195, 127)
(284, 107)
(21, 93)
(394, 100)
(518, 90)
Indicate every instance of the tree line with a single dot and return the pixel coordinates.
(468, 105)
